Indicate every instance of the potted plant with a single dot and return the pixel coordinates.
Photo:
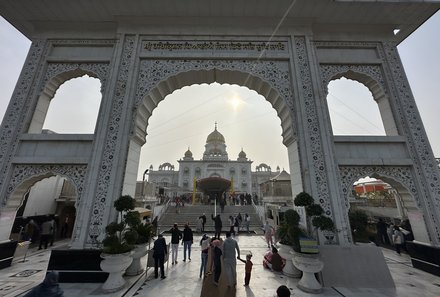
(315, 219)
(118, 244)
(289, 233)
(307, 259)
(145, 232)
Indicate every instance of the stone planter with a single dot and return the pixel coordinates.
(135, 267)
(287, 253)
(309, 264)
(115, 265)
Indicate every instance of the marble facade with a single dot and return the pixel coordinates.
(142, 52)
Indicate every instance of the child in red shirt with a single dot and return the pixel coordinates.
(247, 269)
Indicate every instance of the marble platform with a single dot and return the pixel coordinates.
(183, 278)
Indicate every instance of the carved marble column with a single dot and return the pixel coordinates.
(319, 170)
(106, 170)
(17, 114)
(425, 171)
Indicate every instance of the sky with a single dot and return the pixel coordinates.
(247, 121)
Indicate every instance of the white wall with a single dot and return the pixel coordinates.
(42, 197)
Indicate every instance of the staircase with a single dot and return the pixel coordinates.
(191, 213)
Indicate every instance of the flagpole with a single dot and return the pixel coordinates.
(194, 191)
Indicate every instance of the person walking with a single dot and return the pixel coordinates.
(31, 230)
(187, 241)
(230, 246)
(381, 228)
(203, 218)
(217, 225)
(390, 231)
(247, 269)
(46, 233)
(232, 225)
(239, 220)
(204, 246)
(176, 236)
(159, 252)
(217, 251)
(199, 225)
(398, 239)
(54, 230)
(268, 233)
(247, 221)
(65, 227)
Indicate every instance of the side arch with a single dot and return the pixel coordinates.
(371, 77)
(24, 176)
(57, 74)
(401, 179)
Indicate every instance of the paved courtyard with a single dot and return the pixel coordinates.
(183, 278)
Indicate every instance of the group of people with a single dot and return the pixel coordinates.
(242, 199)
(395, 235)
(237, 222)
(44, 233)
(230, 252)
(234, 222)
(160, 248)
(227, 250)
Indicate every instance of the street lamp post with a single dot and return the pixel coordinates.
(143, 186)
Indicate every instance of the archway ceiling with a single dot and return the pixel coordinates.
(188, 78)
(30, 16)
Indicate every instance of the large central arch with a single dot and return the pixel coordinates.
(270, 79)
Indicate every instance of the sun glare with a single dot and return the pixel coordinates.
(235, 102)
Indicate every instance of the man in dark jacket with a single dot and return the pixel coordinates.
(217, 225)
(187, 241)
(159, 252)
(176, 236)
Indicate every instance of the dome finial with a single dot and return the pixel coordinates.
(215, 125)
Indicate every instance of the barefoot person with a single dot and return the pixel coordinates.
(230, 246)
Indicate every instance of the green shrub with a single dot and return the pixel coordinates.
(122, 236)
(314, 212)
(289, 231)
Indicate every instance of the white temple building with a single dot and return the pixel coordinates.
(215, 163)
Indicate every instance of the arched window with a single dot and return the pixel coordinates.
(75, 106)
(353, 110)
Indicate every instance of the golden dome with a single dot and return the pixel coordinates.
(215, 136)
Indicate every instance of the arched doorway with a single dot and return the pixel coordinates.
(40, 193)
(407, 201)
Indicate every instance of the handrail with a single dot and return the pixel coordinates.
(162, 210)
(259, 209)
